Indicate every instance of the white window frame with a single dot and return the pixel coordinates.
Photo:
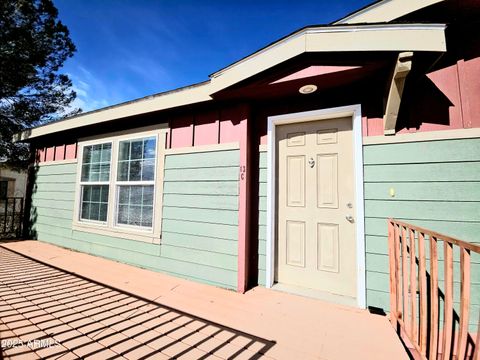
(86, 183)
(119, 183)
(110, 228)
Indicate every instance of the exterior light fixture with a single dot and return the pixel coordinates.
(307, 89)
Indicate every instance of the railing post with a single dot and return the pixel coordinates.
(5, 216)
(413, 287)
(392, 247)
(397, 269)
(448, 303)
(433, 349)
(423, 293)
(20, 223)
(405, 267)
(464, 302)
(12, 226)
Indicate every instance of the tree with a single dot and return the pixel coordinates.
(34, 44)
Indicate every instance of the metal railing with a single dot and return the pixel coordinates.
(11, 217)
(416, 293)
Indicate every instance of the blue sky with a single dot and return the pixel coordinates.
(127, 49)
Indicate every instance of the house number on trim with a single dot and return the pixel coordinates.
(243, 170)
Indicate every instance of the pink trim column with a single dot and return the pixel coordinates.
(243, 203)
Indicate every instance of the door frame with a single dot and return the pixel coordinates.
(355, 112)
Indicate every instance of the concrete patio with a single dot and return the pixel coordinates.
(60, 304)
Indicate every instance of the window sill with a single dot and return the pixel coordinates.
(99, 229)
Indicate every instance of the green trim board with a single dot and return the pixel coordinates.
(200, 223)
(433, 184)
(262, 218)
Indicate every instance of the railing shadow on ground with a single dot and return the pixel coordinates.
(42, 304)
(414, 270)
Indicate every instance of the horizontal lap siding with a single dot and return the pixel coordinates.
(200, 219)
(262, 218)
(52, 202)
(200, 212)
(437, 186)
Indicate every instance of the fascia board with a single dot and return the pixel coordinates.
(386, 11)
(161, 102)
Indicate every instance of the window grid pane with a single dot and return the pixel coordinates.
(135, 205)
(96, 162)
(136, 160)
(94, 203)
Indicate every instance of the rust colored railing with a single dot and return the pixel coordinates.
(416, 293)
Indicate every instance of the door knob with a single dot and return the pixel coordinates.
(349, 218)
(311, 162)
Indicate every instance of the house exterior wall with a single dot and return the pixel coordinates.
(437, 186)
(199, 238)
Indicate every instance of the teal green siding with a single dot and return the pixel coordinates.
(199, 220)
(262, 218)
(437, 186)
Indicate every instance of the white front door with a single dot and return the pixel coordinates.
(316, 244)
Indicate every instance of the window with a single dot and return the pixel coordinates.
(120, 185)
(136, 182)
(3, 189)
(95, 182)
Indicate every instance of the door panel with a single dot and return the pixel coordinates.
(316, 246)
(327, 245)
(296, 180)
(327, 180)
(295, 243)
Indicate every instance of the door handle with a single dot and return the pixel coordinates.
(349, 218)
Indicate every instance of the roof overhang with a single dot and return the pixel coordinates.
(357, 38)
(385, 11)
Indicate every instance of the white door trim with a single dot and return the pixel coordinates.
(355, 112)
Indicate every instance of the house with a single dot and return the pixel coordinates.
(282, 169)
(12, 182)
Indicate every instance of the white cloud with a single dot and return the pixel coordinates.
(87, 88)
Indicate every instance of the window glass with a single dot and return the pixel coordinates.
(95, 169)
(135, 205)
(136, 160)
(136, 163)
(94, 202)
(96, 162)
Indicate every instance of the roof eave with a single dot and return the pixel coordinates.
(385, 11)
(371, 37)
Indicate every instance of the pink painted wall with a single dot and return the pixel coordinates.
(56, 153)
(60, 152)
(181, 133)
(70, 151)
(50, 156)
(208, 127)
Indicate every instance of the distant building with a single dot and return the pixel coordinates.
(12, 183)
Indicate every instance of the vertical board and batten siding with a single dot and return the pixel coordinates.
(437, 186)
(200, 215)
(262, 217)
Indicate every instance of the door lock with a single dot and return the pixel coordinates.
(311, 162)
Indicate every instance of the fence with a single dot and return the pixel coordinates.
(11, 217)
(416, 292)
